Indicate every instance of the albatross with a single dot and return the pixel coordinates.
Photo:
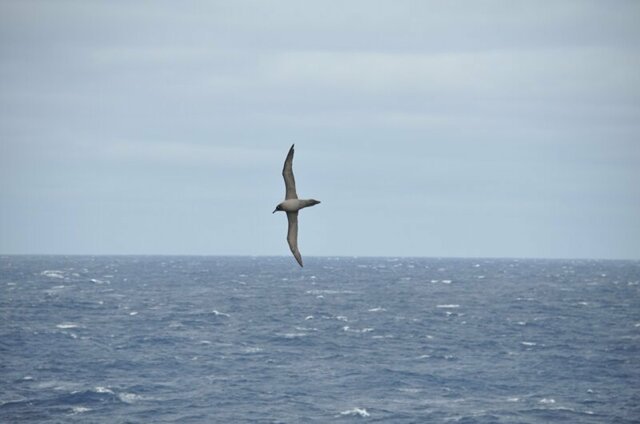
(291, 205)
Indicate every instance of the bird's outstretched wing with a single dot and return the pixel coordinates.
(289, 180)
(292, 235)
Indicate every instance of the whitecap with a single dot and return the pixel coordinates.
(410, 390)
(308, 317)
(378, 309)
(129, 397)
(134, 313)
(449, 306)
(547, 400)
(80, 409)
(66, 325)
(101, 389)
(528, 343)
(293, 335)
(326, 291)
(446, 281)
(220, 314)
(52, 273)
(513, 399)
(354, 330)
(359, 412)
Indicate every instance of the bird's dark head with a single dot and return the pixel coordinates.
(278, 208)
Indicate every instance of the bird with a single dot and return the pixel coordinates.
(291, 205)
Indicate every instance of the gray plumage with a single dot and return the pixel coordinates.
(291, 205)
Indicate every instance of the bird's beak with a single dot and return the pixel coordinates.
(275, 210)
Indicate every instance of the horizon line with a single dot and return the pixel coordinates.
(320, 256)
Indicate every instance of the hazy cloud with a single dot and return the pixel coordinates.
(427, 128)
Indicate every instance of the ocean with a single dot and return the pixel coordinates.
(159, 339)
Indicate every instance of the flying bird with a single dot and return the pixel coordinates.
(292, 205)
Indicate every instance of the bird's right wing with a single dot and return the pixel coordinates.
(289, 180)
(292, 235)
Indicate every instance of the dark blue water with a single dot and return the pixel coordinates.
(259, 340)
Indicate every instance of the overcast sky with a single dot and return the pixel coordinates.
(467, 129)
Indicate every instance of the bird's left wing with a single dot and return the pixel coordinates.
(292, 235)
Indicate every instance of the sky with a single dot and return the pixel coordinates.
(426, 128)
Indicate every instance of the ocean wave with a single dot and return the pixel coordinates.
(100, 394)
(327, 291)
(355, 330)
(53, 273)
(67, 325)
(293, 335)
(356, 412)
(80, 410)
(130, 398)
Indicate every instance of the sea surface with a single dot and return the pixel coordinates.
(129, 339)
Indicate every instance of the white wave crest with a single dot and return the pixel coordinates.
(80, 409)
(358, 412)
(66, 325)
(129, 397)
(354, 330)
(52, 273)
(293, 335)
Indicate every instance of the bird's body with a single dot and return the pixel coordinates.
(294, 205)
(291, 205)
